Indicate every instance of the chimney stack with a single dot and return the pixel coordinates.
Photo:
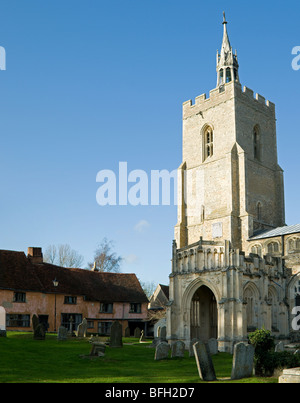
(35, 255)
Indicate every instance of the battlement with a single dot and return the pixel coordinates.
(209, 255)
(222, 94)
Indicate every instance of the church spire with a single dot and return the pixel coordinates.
(227, 63)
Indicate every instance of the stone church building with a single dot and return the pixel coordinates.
(235, 264)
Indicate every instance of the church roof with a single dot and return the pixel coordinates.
(286, 230)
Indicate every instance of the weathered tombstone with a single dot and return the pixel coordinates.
(82, 329)
(279, 347)
(162, 351)
(39, 332)
(35, 322)
(213, 346)
(204, 362)
(116, 335)
(191, 349)
(127, 332)
(98, 349)
(243, 361)
(137, 333)
(2, 322)
(142, 338)
(178, 349)
(62, 334)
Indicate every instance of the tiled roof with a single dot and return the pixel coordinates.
(290, 229)
(18, 273)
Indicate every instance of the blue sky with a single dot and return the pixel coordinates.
(92, 83)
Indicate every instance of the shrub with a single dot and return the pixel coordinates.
(265, 358)
(264, 344)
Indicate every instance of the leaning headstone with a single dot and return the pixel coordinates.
(39, 332)
(243, 361)
(116, 335)
(191, 350)
(142, 338)
(98, 349)
(204, 362)
(137, 333)
(279, 347)
(82, 329)
(62, 334)
(178, 349)
(162, 351)
(213, 346)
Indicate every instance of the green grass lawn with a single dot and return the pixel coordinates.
(24, 360)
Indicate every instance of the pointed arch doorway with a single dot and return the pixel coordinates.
(204, 315)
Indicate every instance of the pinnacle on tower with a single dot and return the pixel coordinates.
(227, 63)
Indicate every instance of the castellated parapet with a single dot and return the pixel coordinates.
(223, 94)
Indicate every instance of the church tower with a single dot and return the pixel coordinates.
(230, 183)
(230, 188)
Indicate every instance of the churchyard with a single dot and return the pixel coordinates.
(26, 360)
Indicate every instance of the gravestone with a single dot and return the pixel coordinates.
(162, 351)
(82, 329)
(204, 362)
(2, 322)
(39, 332)
(279, 347)
(116, 335)
(178, 349)
(191, 349)
(35, 322)
(137, 333)
(98, 349)
(62, 334)
(213, 346)
(142, 338)
(127, 332)
(243, 361)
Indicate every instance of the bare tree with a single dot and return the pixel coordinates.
(64, 256)
(148, 287)
(105, 260)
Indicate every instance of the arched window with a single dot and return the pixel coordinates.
(256, 250)
(273, 247)
(294, 245)
(208, 143)
(228, 75)
(256, 143)
(258, 211)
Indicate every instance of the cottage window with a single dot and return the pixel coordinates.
(104, 328)
(70, 300)
(16, 320)
(135, 308)
(19, 297)
(106, 308)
